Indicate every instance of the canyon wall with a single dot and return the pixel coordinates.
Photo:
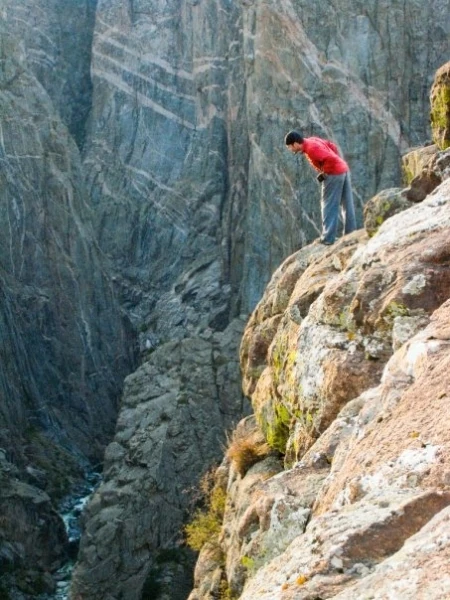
(144, 180)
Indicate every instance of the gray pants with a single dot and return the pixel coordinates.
(337, 194)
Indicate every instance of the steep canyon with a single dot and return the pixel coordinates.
(146, 199)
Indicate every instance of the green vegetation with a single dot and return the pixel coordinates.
(248, 563)
(408, 175)
(346, 322)
(440, 116)
(225, 592)
(396, 309)
(206, 524)
(393, 310)
(276, 428)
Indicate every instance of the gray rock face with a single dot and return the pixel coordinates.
(57, 37)
(188, 121)
(64, 344)
(175, 411)
(64, 338)
(33, 539)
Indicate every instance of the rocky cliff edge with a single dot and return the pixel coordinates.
(346, 360)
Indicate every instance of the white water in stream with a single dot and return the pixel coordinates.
(71, 509)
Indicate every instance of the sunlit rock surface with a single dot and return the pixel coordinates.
(367, 486)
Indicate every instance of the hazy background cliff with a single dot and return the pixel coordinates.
(146, 199)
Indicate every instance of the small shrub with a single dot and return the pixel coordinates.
(203, 528)
(248, 563)
(225, 592)
(246, 449)
(207, 522)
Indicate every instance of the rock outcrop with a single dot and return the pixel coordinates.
(176, 409)
(396, 278)
(440, 101)
(346, 359)
(33, 540)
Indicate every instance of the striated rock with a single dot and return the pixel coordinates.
(57, 40)
(440, 107)
(66, 344)
(182, 185)
(184, 155)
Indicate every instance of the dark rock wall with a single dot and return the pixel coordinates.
(65, 344)
(57, 37)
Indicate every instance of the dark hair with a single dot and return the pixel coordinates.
(292, 137)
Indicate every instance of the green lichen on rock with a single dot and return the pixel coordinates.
(440, 107)
(275, 426)
(382, 206)
(408, 174)
(396, 309)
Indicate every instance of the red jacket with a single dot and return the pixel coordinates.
(324, 156)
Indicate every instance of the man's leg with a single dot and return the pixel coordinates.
(330, 203)
(348, 208)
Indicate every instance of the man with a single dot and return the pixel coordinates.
(334, 175)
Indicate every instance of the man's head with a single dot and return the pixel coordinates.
(294, 141)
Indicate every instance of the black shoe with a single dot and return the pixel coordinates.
(321, 241)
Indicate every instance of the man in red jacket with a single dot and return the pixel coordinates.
(334, 175)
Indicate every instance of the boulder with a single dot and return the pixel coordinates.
(424, 170)
(381, 207)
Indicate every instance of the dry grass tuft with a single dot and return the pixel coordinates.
(246, 448)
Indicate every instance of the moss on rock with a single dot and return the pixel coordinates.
(440, 107)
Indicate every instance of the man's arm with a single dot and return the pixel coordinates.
(332, 147)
